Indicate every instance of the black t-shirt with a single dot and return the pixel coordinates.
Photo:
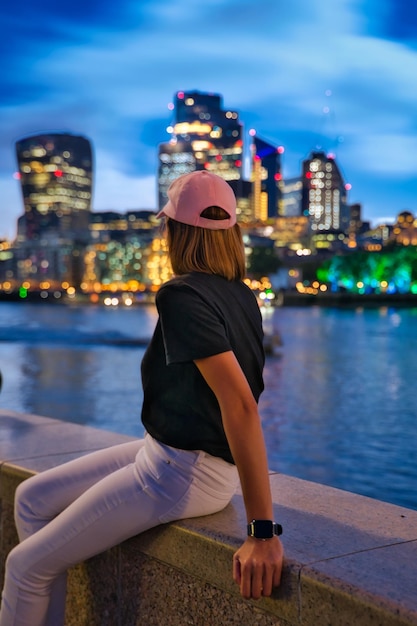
(200, 315)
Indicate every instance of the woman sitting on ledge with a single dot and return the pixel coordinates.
(202, 378)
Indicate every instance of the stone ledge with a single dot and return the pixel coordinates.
(349, 559)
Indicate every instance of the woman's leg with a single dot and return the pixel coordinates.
(41, 498)
(162, 484)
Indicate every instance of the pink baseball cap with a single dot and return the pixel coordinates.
(190, 194)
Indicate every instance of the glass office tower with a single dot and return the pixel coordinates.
(291, 195)
(55, 172)
(266, 176)
(324, 194)
(204, 135)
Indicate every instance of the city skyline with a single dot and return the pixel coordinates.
(333, 76)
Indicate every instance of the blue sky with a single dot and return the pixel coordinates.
(339, 74)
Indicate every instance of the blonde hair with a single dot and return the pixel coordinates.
(195, 249)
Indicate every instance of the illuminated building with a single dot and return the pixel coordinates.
(7, 261)
(158, 268)
(324, 194)
(55, 173)
(266, 178)
(329, 241)
(355, 218)
(356, 225)
(203, 136)
(244, 206)
(107, 225)
(175, 158)
(261, 258)
(291, 197)
(291, 233)
(373, 239)
(404, 231)
(119, 265)
(122, 253)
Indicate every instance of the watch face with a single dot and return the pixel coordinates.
(263, 529)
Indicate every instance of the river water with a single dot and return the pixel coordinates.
(339, 406)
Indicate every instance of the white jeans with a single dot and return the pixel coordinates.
(76, 510)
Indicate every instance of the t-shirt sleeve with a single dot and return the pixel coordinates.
(191, 327)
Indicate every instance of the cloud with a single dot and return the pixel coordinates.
(118, 192)
(394, 155)
(11, 206)
(108, 71)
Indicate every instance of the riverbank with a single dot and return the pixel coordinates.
(346, 299)
(61, 297)
(284, 298)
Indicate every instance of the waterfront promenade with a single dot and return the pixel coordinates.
(350, 560)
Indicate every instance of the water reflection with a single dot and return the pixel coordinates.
(338, 407)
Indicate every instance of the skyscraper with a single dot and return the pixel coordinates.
(324, 195)
(266, 175)
(55, 172)
(204, 136)
(291, 195)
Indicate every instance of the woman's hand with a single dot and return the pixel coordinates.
(257, 567)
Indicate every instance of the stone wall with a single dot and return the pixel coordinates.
(350, 560)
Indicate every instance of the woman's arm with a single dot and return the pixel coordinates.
(257, 564)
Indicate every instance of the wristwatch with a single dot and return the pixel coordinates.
(263, 529)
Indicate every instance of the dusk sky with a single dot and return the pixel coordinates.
(336, 74)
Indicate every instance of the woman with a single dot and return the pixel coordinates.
(202, 377)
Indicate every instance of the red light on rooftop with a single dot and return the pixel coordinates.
(281, 149)
(348, 186)
(309, 175)
(331, 155)
(17, 175)
(58, 173)
(180, 95)
(278, 176)
(252, 132)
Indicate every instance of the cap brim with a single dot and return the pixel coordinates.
(161, 214)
